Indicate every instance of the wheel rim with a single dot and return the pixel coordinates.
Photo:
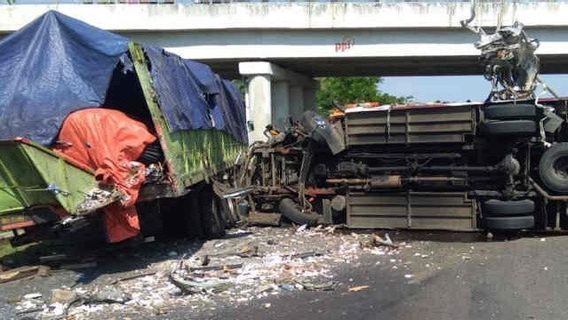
(560, 167)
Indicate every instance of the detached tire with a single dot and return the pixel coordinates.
(524, 128)
(553, 168)
(498, 208)
(292, 211)
(510, 112)
(509, 223)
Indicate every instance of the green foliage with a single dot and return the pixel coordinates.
(241, 86)
(352, 90)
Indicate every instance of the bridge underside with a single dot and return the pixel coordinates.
(381, 66)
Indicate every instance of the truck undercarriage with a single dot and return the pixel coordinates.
(458, 167)
(497, 165)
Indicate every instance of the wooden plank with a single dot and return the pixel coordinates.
(264, 219)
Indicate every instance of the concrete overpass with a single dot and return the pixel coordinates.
(281, 46)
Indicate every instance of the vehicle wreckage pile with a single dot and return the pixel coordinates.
(246, 265)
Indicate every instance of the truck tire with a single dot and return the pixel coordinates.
(191, 219)
(498, 208)
(291, 210)
(212, 219)
(510, 112)
(151, 222)
(509, 223)
(522, 128)
(553, 168)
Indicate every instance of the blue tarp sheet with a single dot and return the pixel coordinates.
(49, 68)
(57, 64)
(215, 102)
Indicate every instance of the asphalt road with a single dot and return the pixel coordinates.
(463, 278)
(435, 276)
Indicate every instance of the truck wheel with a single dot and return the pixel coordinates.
(509, 128)
(498, 208)
(510, 112)
(509, 223)
(212, 219)
(151, 222)
(553, 168)
(192, 224)
(291, 210)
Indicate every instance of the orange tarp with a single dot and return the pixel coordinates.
(109, 142)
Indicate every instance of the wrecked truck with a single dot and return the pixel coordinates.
(91, 122)
(499, 165)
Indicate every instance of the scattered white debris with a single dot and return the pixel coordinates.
(35, 295)
(409, 276)
(258, 263)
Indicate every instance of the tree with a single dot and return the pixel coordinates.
(352, 90)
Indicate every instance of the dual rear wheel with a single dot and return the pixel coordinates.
(499, 215)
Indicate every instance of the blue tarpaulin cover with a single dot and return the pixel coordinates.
(49, 68)
(214, 102)
(57, 64)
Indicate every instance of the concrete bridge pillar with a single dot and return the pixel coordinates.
(274, 94)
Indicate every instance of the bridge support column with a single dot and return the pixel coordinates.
(273, 95)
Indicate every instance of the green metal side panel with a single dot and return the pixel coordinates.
(9, 201)
(31, 176)
(192, 155)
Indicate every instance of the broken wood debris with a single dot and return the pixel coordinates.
(377, 241)
(136, 276)
(23, 273)
(53, 258)
(264, 219)
(216, 268)
(81, 265)
(191, 287)
(304, 255)
(358, 288)
(323, 286)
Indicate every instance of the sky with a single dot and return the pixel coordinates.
(455, 88)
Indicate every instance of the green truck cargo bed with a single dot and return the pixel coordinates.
(34, 176)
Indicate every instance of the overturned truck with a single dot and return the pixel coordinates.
(500, 165)
(93, 123)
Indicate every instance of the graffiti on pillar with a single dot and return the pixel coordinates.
(345, 44)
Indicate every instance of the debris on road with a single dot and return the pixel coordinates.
(246, 265)
(63, 296)
(134, 277)
(377, 241)
(23, 272)
(358, 288)
(264, 219)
